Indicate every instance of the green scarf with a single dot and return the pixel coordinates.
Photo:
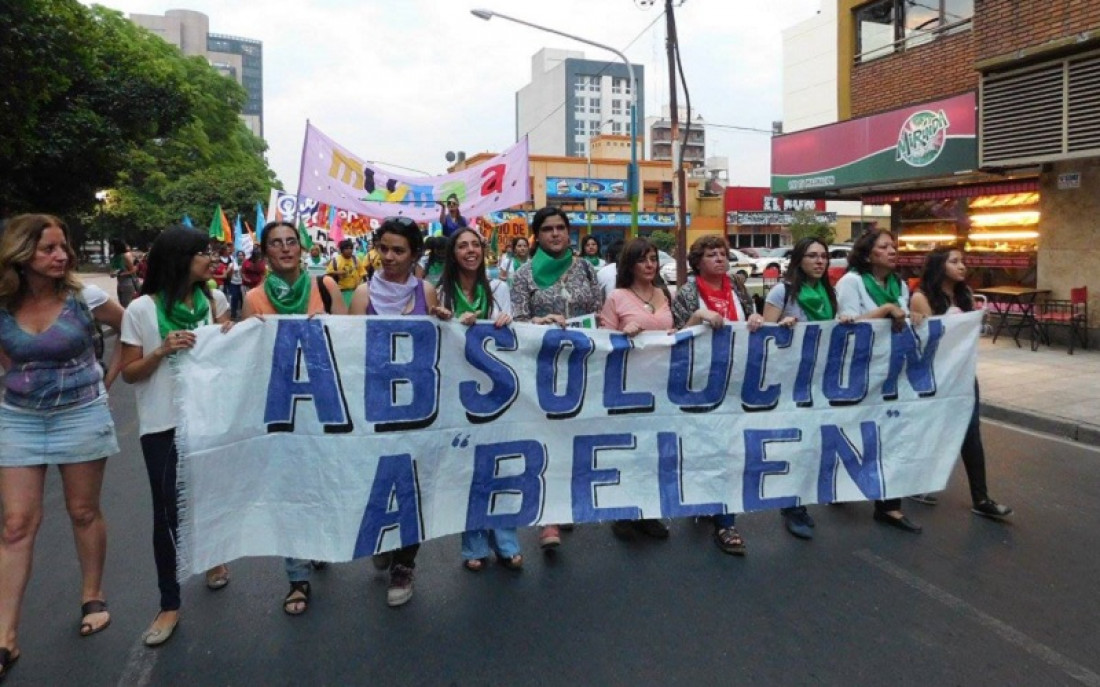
(882, 296)
(181, 316)
(288, 299)
(479, 306)
(547, 270)
(814, 301)
(594, 260)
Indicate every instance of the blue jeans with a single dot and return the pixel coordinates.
(477, 543)
(297, 569)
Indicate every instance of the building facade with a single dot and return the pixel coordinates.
(659, 139)
(571, 99)
(241, 59)
(978, 122)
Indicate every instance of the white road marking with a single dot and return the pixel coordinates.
(139, 666)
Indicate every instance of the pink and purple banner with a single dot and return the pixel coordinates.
(332, 174)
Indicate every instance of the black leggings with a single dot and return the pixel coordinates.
(973, 454)
(161, 459)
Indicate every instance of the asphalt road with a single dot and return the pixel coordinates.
(969, 601)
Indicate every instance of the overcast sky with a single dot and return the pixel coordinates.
(404, 81)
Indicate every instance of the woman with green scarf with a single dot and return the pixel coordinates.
(466, 294)
(872, 290)
(590, 251)
(804, 295)
(288, 289)
(551, 288)
(156, 326)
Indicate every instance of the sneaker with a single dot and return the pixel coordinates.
(550, 537)
(799, 523)
(926, 499)
(401, 586)
(991, 509)
(652, 528)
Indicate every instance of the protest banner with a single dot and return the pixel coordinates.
(334, 175)
(350, 436)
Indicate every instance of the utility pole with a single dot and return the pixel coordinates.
(679, 181)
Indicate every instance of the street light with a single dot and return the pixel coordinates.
(632, 173)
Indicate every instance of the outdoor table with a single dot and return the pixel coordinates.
(1001, 301)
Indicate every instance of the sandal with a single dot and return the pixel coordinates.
(217, 577)
(7, 660)
(474, 564)
(298, 594)
(87, 629)
(729, 540)
(511, 562)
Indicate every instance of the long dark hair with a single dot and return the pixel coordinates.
(859, 259)
(448, 283)
(932, 279)
(633, 253)
(796, 277)
(168, 266)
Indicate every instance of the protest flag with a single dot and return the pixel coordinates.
(303, 235)
(219, 226)
(335, 226)
(187, 221)
(261, 219)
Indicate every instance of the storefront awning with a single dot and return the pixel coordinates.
(985, 189)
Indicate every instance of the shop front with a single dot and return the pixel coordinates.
(757, 219)
(922, 161)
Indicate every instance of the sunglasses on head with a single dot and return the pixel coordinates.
(403, 221)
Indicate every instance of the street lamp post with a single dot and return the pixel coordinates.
(632, 173)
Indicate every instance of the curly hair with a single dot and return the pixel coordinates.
(18, 247)
(701, 246)
(859, 259)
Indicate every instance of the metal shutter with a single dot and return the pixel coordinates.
(1084, 105)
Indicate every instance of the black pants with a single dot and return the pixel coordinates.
(405, 556)
(973, 454)
(161, 459)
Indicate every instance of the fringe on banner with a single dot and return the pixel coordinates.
(183, 467)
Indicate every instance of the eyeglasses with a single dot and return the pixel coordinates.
(208, 253)
(283, 243)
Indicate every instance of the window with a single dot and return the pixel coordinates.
(616, 107)
(593, 127)
(887, 26)
(579, 84)
(594, 84)
(578, 106)
(616, 127)
(579, 129)
(594, 105)
(616, 85)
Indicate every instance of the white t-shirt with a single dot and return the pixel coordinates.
(852, 297)
(606, 276)
(94, 296)
(156, 394)
(502, 298)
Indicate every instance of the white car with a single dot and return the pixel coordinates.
(778, 258)
(838, 255)
(739, 264)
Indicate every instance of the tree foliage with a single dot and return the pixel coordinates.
(805, 224)
(92, 102)
(664, 240)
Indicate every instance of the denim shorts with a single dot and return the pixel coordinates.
(56, 437)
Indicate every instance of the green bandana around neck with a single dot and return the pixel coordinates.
(594, 260)
(883, 296)
(181, 316)
(547, 270)
(479, 305)
(288, 299)
(814, 301)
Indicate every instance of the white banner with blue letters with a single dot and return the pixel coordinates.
(332, 438)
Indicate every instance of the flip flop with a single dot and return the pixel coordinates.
(474, 564)
(291, 599)
(217, 577)
(511, 562)
(88, 608)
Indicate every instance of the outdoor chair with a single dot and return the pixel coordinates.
(1072, 314)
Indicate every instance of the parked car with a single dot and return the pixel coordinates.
(739, 264)
(838, 255)
(777, 258)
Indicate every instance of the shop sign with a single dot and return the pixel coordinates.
(649, 220)
(933, 140)
(773, 218)
(1069, 180)
(568, 187)
(760, 198)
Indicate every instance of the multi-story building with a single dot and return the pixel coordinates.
(659, 137)
(977, 122)
(241, 59)
(571, 99)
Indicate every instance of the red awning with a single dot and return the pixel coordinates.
(987, 189)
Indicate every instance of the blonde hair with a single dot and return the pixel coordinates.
(18, 247)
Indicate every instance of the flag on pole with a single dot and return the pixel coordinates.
(261, 219)
(335, 226)
(238, 231)
(187, 221)
(219, 226)
(303, 235)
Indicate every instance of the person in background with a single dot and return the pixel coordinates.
(590, 251)
(450, 216)
(394, 291)
(466, 294)
(347, 269)
(870, 290)
(234, 286)
(253, 271)
(222, 265)
(640, 302)
(54, 412)
(515, 259)
(175, 300)
(315, 263)
(943, 291)
(124, 270)
(551, 288)
(804, 295)
(430, 266)
(607, 275)
(711, 297)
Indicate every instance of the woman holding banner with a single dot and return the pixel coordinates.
(175, 300)
(466, 293)
(552, 288)
(54, 412)
(872, 290)
(943, 291)
(711, 297)
(393, 291)
(640, 302)
(804, 295)
(290, 289)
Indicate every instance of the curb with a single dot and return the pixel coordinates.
(1080, 432)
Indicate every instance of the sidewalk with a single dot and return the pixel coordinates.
(1046, 390)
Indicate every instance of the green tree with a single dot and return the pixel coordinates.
(664, 240)
(806, 224)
